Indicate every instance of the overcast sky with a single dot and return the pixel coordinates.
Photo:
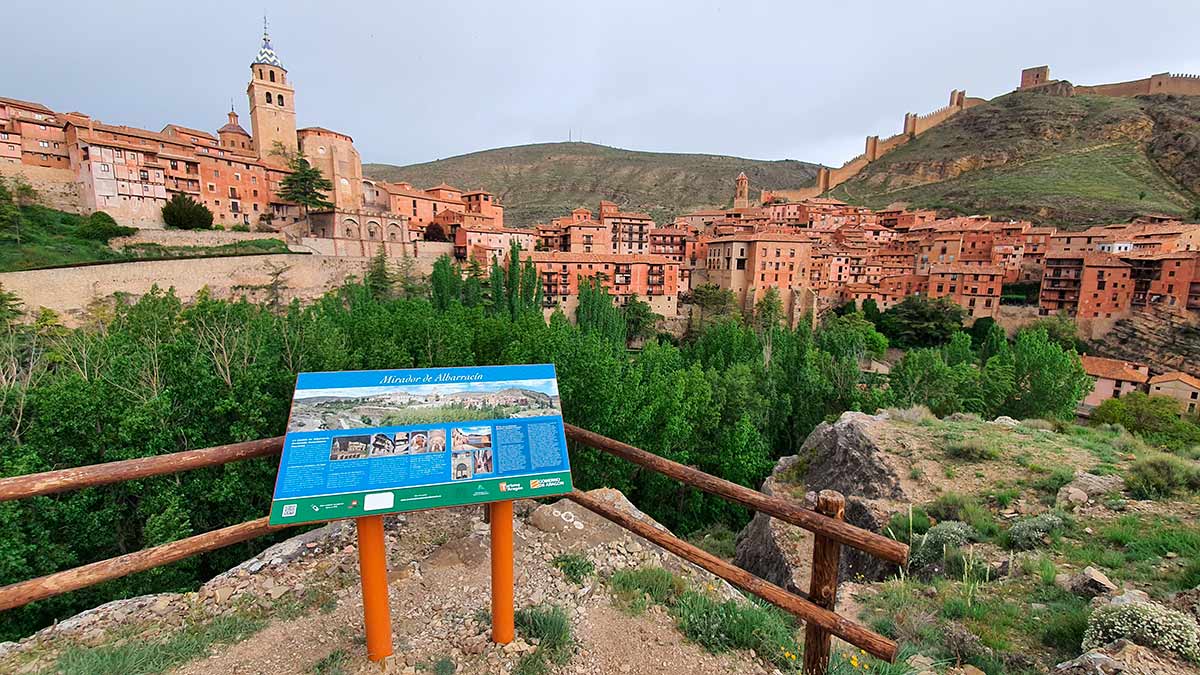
(415, 81)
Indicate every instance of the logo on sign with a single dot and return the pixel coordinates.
(511, 487)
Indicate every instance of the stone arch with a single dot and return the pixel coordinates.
(373, 230)
(351, 229)
(395, 232)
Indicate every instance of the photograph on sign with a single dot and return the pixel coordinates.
(383, 441)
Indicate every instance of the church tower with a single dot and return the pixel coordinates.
(741, 197)
(272, 103)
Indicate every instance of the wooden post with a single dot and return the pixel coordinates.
(503, 629)
(372, 565)
(823, 584)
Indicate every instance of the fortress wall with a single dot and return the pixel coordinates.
(891, 143)
(847, 171)
(191, 237)
(69, 291)
(1171, 83)
(926, 122)
(1133, 88)
(56, 188)
(425, 252)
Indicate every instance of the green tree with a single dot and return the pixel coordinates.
(870, 311)
(712, 302)
(101, 227)
(768, 311)
(184, 213)
(958, 350)
(1048, 381)
(305, 184)
(1062, 329)
(994, 343)
(851, 336)
(597, 315)
(979, 329)
(472, 290)
(379, 279)
(640, 319)
(1155, 418)
(445, 282)
(918, 321)
(922, 377)
(11, 218)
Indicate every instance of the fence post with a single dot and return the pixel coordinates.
(823, 584)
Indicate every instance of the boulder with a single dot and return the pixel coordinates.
(1088, 487)
(1090, 583)
(842, 456)
(1006, 421)
(1130, 596)
(1125, 658)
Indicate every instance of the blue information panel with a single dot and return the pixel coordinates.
(382, 441)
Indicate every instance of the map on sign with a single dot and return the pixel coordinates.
(382, 441)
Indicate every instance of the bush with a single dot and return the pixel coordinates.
(718, 539)
(721, 626)
(1029, 533)
(917, 414)
(575, 567)
(552, 630)
(657, 583)
(184, 213)
(938, 541)
(101, 227)
(1161, 475)
(1146, 624)
(907, 525)
(1039, 424)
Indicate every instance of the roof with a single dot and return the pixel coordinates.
(266, 53)
(605, 258)
(232, 129)
(958, 268)
(1112, 369)
(189, 130)
(443, 186)
(26, 104)
(1189, 380)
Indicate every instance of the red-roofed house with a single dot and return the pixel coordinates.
(1182, 387)
(1113, 378)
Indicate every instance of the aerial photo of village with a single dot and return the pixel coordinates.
(386, 406)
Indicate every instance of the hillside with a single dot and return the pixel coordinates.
(1073, 161)
(546, 180)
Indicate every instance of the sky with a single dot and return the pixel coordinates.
(416, 81)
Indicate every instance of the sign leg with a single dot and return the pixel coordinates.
(502, 571)
(372, 563)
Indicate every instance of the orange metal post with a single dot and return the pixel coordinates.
(502, 571)
(372, 564)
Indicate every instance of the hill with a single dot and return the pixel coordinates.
(1064, 160)
(546, 180)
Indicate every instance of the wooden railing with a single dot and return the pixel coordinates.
(816, 608)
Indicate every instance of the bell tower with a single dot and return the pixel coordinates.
(741, 196)
(272, 103)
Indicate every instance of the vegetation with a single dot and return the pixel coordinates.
(305, 185)
(575, 566)
(919, 321)
(101, 227)
(184, 213)
(1070, 161)
(1156, 419)
(546, 180)
(1145, 624)
(552, 630)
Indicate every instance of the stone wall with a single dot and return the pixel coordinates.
(56, 188)
(191, 237)
(1165, 340)
(69, 291)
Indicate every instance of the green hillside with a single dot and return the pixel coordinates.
(1073, 161)
(547, 180)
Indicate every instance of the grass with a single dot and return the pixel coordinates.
(717, 539)
(442, 666)
(50, 238)
(144, 657)
(972, 450)
(575, 567)
(552, 630)
(635, 588)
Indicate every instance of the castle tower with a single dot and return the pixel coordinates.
(272, 103)
(741, 196)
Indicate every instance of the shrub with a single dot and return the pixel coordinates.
(938, 541)
(184, 213)
(1030, 532)
(947, 507)
(101, 227)
(1039, 424)
(971, 450)
(717, 539)
(906, 525)
(1161, 475)
(657, 583)
(720, 626)
(240, 228)
(575, 567)
(1146, 624)
(916, 414)
(552, 630)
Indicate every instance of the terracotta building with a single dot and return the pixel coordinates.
(651, 278)
(974, 288)
(751, 264)
(1180, 386)
(1114, 378)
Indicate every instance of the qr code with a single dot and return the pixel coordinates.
(289, 510)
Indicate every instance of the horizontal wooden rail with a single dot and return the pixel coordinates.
(63, 480)
(850, 631)
(864, 540)
(25, 592)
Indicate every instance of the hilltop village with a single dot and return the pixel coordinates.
(818, 253)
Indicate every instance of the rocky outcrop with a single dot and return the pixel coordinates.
(1165, 340)
(1123, 657)
(1087, 487)
(843, 456)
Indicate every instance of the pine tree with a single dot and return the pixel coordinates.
(379, 279)
(305, 185)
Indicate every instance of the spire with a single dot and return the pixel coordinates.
(266, 53)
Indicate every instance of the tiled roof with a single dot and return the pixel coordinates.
(1112, 369)
(266, 53)
(26, 104)
(1189, 380)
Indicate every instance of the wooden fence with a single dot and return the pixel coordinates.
(816, 608)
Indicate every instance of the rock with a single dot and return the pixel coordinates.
(1125, 658)
(1090, 583)
(965, 670)
(1005, 421)
(920, 662)
(842, 456)
(1070, 497)
(1128, 597)
(1088, 487)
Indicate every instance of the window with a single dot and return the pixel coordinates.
(144, 175)
(272, 74)
(254, 180)
(269, 100)
(281, 100)
(104, 168)
(46, 144)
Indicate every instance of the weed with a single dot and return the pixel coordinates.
(1006, 497)
(972, 450)
(1161, 476)
(720, 626)
(552, 629)
(914, 415)
(915, 472)
(1051, 484)
(904, 525)
(443, 666)
(654, 582)
(575, 567)
(1032, 532)
(949, 472)
(333, 664)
